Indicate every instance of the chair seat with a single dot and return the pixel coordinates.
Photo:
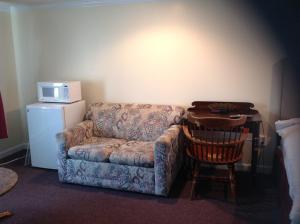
(213, 155)
(95, 149)
(134, 153)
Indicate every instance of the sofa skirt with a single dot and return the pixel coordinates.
(109, 175)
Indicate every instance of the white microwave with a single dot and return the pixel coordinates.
(59, 92)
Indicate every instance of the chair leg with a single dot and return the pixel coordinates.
(232, 182)
(225, 191)
(191, 165)
(195, 179)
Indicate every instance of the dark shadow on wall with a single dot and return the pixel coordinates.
(288, 74)
(283, 16)
(284, 99)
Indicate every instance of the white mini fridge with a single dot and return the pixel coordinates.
(45, 120)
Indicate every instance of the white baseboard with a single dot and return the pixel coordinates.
(9, 151)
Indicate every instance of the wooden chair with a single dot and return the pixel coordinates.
(215, 141)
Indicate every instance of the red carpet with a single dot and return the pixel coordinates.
(39, 198)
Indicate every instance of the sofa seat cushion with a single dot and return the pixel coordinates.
(134, 153)
(95, 149)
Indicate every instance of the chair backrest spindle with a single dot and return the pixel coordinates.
(216, 140)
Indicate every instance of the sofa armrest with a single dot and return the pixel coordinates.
(77, 134)
(167, 159)
(61, 157)
(68, 138)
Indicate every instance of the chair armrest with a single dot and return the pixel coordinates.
(167, 159)
(241, 140)
(77, 134)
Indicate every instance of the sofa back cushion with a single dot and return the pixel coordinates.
(144, 122)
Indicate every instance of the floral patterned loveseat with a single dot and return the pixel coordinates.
(134, 147)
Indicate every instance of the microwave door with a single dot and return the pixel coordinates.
(48, 92)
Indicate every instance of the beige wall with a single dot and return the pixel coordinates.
(160, 52)
(8, 85)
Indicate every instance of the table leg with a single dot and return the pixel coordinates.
(255, 144)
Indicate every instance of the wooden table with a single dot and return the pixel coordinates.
(201, 109)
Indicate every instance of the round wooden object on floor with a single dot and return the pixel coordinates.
(8, 179)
